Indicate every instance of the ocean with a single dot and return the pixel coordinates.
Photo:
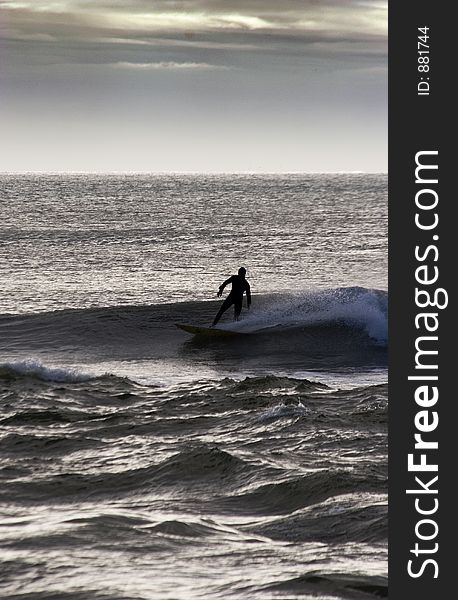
(141, 463)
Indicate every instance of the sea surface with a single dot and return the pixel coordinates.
(138, 462)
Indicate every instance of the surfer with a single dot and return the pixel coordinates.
(239, 286)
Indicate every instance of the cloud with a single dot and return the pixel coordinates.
(164, 65)
(289, 79)
(140, 17)
(222, 33)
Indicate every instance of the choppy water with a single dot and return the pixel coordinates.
(140, 463)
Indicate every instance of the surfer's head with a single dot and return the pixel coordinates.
(242, 271)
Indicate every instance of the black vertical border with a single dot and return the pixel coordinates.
(419, 123)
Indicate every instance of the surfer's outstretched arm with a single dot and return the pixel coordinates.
(248, 294)
(223, 285)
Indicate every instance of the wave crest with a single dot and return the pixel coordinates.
(37, 370)
(362, 308)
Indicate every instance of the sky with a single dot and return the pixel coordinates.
(193, 85)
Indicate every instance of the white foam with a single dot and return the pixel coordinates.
(284, 410)
(358, 307)
(34, 368)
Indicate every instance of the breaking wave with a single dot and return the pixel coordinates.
(35, 369)
(322, 329)
(356, 307)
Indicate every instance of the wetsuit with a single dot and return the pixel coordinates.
(239, 286)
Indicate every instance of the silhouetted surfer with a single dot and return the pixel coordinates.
(239, 286)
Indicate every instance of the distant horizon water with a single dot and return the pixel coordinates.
(353, 172)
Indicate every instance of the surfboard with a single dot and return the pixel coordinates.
(207, 331)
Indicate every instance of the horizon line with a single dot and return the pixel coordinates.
(82, 172)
